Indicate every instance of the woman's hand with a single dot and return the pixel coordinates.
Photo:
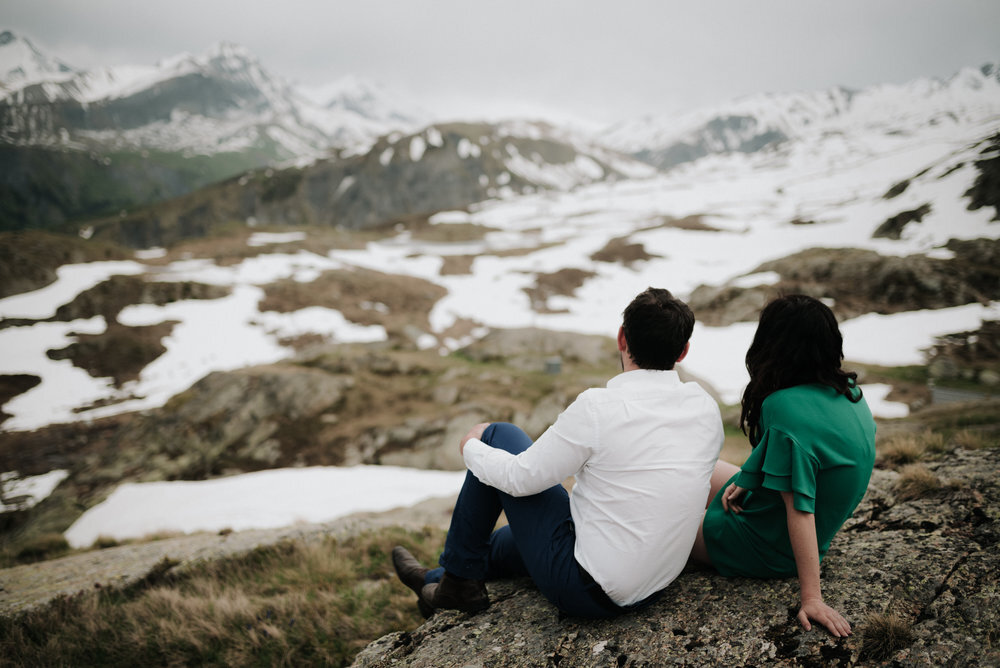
(802, 534)
(476, 432)
(731, 497)
(818, 611)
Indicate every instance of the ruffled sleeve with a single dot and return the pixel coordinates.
(780, 464)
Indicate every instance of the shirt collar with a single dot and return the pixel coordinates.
(645, 377)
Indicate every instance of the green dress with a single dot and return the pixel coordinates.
(815, 443)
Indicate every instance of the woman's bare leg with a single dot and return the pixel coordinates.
(720, 476)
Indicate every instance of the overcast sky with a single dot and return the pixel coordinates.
(603, 61)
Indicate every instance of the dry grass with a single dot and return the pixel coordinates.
(363, 296)
(916, 481)
(450, 232)
(691, 223)
(968, 439)
(884, 634)
(620, 250)
(47, 545)
(901, 449)
(311, 603)
(452, 265)
(561, 282)
(934, 442)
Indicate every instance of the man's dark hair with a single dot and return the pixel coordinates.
(797, 342)
(657, 326)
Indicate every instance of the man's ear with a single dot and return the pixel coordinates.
(684, 352)
(622, 345)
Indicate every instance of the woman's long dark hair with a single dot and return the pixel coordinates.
(797, 342)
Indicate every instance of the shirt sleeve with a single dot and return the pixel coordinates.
(557, 454)
(779, 463)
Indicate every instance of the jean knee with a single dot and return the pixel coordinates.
(506, 436)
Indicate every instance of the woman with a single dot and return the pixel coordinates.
(813, 440)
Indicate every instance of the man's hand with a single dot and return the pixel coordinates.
(731, 498)
(818, 611)
(476, 432)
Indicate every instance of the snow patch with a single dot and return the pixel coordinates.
(29, 491)
(260, 500)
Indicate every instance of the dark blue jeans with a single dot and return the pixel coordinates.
(538, 540)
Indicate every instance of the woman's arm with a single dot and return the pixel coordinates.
(802, 532)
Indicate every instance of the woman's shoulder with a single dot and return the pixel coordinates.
(800, 393)
(801, 405)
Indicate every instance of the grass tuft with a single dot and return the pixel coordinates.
(916, 481)
(884, 634)
(934, 442)
(902, 449)
(41, 547)
(103, 542)
(968, 439)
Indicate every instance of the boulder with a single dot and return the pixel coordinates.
(530, 348)
(931, 562)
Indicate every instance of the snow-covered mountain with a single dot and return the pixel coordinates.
(968, 99)
(79, 144)
(353, 111)
(221, 101)
(22, 64)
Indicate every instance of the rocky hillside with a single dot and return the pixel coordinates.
(862, 281)
(331, 405)
(914, 572)
(450, 166)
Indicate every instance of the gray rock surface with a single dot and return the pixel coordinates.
(862, 281)
(932, 561)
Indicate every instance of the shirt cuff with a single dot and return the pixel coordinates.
(474, 453)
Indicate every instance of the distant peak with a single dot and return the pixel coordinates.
(229, 50)
(24, 64)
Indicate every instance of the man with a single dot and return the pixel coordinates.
(642, 450)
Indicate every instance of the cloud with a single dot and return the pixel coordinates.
(602, 60)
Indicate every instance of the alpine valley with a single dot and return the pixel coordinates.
(205, 271)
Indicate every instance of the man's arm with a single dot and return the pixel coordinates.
(557, 454)
(802, 532)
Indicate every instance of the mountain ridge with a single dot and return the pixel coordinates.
(227, 84)
(771, 120)
(79, 144)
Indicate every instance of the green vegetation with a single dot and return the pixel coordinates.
(41, 547)
(916, 374)
(36, 534)
(315, 602)
(51, 189)
(950, 418)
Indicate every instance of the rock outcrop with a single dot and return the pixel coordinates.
(861, 281)
(927, 565)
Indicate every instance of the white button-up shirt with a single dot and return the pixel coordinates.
(642, 451)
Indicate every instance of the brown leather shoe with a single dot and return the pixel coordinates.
(456, 593)
(411, 573)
